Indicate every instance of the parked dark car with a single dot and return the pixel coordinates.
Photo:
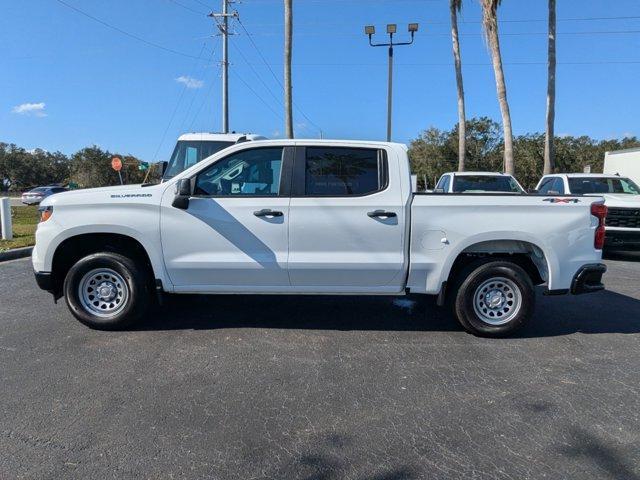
(36, 195)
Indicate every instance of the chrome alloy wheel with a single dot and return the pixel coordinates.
(497, 301)
(103, 292)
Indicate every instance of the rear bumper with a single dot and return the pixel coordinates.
(44, 280)
(622, 240)
(588, 279)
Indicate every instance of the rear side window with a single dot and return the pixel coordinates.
(337, 171)
(484, 183)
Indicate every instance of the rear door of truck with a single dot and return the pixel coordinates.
(347, 220)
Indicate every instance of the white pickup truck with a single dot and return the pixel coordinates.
(621, 196)
(314, 217)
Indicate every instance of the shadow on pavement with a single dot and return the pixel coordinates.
(622, 256)
(602, 312)
(611, 458)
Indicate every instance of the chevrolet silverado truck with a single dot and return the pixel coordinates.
(314, 217)
(621, 196)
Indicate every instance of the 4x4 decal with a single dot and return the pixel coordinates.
(561, 200)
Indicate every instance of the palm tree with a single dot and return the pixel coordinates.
(549, 151)
(490, 23)
(288, 34)
(456, 6)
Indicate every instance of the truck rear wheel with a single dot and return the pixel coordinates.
(494, 298)
(106, 291)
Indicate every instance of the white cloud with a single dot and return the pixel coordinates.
(35, 109)
(190, 82)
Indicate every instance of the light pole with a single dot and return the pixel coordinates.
(370, 30)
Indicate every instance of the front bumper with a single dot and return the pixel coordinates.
(588, 279)
(44, 280)
(622, 240)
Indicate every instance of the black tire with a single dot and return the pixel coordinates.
(493, 298)
(128, 286)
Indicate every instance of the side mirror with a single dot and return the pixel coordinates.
(183, 193)
(163, 168)
(532, 191)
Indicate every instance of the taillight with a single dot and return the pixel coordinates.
(599, 210)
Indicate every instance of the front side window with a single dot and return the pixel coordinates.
(338, 171)
(546, 185)
(582, 185)
(485, 183)
(254, 172)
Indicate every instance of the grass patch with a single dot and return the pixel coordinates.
(25, 220)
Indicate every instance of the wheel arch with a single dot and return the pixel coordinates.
(76, 246)
(539, 263)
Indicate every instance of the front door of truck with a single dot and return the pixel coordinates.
(347, 221)
(234, 234)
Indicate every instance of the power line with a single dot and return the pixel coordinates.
(175, 110)
(476, 64)
(186, 115)
(208, 7)
(275, 76)
(259, 77)
(187, 8)
(468, 34)
(432, 22)
(124, 32)
(257, 94)
(204, 100)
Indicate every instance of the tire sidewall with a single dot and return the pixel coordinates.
(122, 265)
(464, 303)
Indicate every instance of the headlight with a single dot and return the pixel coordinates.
(45, 213)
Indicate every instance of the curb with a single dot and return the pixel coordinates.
(15, 253)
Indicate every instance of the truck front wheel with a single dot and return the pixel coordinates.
(106, 291)
(494, 298)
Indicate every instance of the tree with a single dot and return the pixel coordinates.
(549, 154)
(455, 6)
(91, 167)
(434, 152)
(490, 23)
(21, 169)
(288, 40)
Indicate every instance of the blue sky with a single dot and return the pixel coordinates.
(68, 81)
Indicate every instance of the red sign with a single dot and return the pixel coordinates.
(116, 164)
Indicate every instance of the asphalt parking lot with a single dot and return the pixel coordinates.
(240, 387)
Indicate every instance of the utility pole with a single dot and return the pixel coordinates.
(223, 26)
(391, 30)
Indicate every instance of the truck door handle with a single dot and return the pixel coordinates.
(381, 214)
(266, 212)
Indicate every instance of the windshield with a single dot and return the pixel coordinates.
(485, 183)
(581, 185)
(188, 153)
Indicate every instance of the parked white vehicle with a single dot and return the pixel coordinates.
(622, 198)
(625, 163)
(478, 182)
(192, 148)
(313, 217)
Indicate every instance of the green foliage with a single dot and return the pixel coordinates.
(90, 167)
(435, 152)
(21, 169)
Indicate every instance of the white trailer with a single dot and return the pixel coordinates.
(625, 163)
